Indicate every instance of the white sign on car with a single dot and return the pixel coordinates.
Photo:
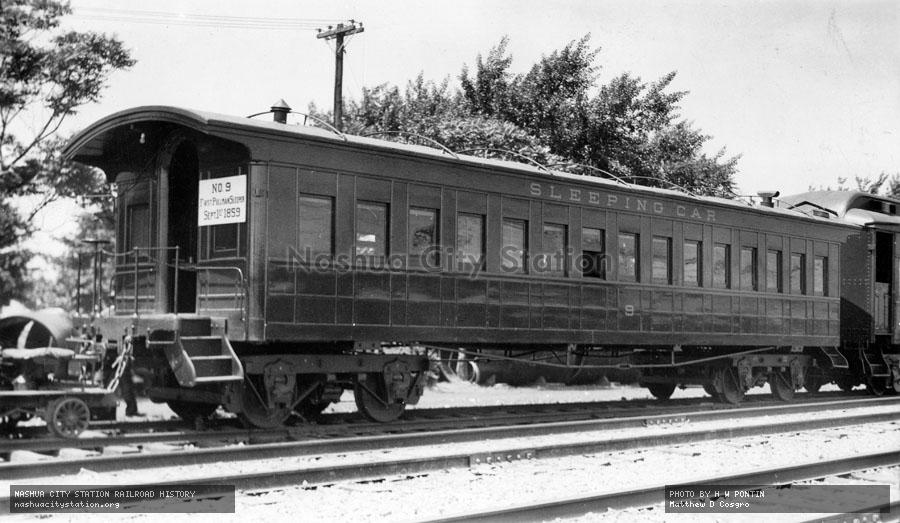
(222, 200)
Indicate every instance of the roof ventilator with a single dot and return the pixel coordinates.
(768, 197)
(281, 109)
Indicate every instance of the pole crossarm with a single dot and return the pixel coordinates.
(341, 30)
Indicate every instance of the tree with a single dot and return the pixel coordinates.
(884, 184)
(45, 75)
(557, 114)
(74, 285)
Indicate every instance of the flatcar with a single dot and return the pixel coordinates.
(39, 377)
(268, 267)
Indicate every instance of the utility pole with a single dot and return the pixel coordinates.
(338, 33)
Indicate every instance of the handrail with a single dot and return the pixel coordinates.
(240, 284)
(306, 117)
(795, 206)
(525, 157)
(669, 182)
(593, 168)
(439, 145)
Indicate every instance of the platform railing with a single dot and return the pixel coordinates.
(137, 251)
(141, 262)
(241, 300)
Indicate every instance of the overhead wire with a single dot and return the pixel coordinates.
(170, 18)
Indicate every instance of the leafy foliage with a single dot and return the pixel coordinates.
(45, 75)
(884, 184)
(558, 114)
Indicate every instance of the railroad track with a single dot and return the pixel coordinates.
(223, 432)
(513, 450)
(355, 422)
(599, 503)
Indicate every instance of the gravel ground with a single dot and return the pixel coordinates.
(656, 513)
(491, 486)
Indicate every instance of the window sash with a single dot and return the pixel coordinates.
(693, 263)
(773, 271)
(629, 257)
(722, 266)
(554, 249)
(662, 260)
(138, 227)
(371, 229)
(798, 273)
(470, 240)
(593, 251)
(515, 246)
(315, 215)
(820, 276)
(749, 264)
(424, 237)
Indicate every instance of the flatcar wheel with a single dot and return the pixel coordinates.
(68, 417)
(782, 385)
(710, 389)
(190, 411)
(369, 394)
(732, 390)
(662, 391)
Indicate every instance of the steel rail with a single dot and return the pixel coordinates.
(16, 470)
(471, 418)
(893, 514)
(599, 503)
(592, 407)
(335, 421)
(54, 444)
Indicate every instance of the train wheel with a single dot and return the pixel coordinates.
(782, 385)
(468, 370)
(845, 384)
(895, 380)
(876, 386)
(190, 411)
(256, 412)
(369, 394)
(710, 389)
(732, 389)
(662, 391)
(68, 417)
(312, 410)
(813, 383)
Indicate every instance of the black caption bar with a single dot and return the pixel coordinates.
(33, 499)
(743, 499)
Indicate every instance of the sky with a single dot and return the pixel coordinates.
(806, 92)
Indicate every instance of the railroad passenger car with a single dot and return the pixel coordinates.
(267, 267)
